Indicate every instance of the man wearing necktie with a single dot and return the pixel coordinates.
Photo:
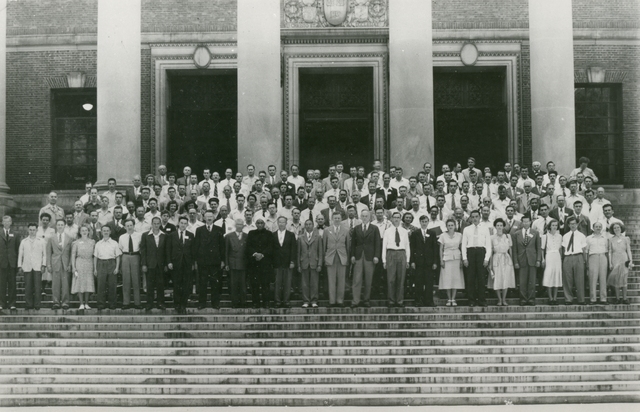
(366, 247)
(9, 251)
(425, 258)
(336, 243)
(527, 257)
(59, 265)
(476, 251)
(180, 260)
(575, 255)
(209, 255)
(396, 253)
(129, 244)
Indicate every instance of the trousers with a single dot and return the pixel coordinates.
(396, 272)
(573, 276)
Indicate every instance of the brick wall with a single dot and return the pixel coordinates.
(604, 14)
(480, 14)
(29, 148)
(146, 151)
(51, 16)
(189, 15)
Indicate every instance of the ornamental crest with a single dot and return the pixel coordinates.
(307, 14)
(335, 11)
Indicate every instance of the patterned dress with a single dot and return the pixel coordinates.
(619, 258)
(82, 254)
(451, 276)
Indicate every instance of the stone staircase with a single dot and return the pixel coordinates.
(326, 357)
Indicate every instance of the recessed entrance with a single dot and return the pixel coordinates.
(471, 117)
(336, 117)
(202, 120)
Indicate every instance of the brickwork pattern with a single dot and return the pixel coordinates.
(51, 16)
(189, 15)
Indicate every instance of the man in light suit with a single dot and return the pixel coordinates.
(336, 243)
(511, 224)
(9, 248)
(59, 265)
(236, 261)
(334, 209)
(366, 247)
(425, 258)
(79, 217)
(310, 255)
(181, 262)
(186, 178)
(527, 256)
(284, 258)
(153, 248)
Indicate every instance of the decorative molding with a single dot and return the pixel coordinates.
(194, 45)
(610, 76)
(376, 40)
(62, 82)
(308, 14)
(294, 62)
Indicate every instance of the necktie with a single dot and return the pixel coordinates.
(353, 186)
(570, 248)
(526, 237)
(371, 200)
(453, 201)
(424, 235)
(59, 239)
(209, 228)
(458, 225)
(224, 225)
(544, 231)
(397, 238)
(309, 236)
(228, 205)
(215, 190)
(182, 237)
(440, 216)
(130, 244)
(564, 192)
(351, 224)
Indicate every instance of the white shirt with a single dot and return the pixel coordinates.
(389, 242)
(396, 184)
(579, 243)
(281, 234)
(476, 236)
(382, 226)
(192, 227)
(32, 254)
(298, 181)
(540, 224)
(521, 181)
(570, 199)
(123, 242)
(148, 217)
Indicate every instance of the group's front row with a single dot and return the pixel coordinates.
(468, 258)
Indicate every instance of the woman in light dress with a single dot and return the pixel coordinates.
(620, 261)
(502, 276)
(451, 277)
(82, 267)
(551, 244)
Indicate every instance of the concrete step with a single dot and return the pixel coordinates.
(261, 400)
(187, 390)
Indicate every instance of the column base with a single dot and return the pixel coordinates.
(7, 204)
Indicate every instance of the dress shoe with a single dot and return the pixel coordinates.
(314, 305)
(305, 305)
(54, 307)
(161, 307)
(354, 305)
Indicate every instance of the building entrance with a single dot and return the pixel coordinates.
(336, 117)
(203, 121)
(470, 117)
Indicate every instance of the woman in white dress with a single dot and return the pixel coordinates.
(502, 276)
(451, 277)
(552, 261)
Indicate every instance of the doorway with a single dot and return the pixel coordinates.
(470, 117)
(203, 121)
(336, 117)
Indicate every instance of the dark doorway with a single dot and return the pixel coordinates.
(336, 117)
(203, 121)
(470, 118)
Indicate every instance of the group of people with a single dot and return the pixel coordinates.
(272, 233)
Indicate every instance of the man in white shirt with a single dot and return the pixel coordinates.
(226, 223)
(415, 211)
(396, 254)
(111, 192)
(287, 209)
(32, 263)
(295, 178)
(86, 196)
(591, 208)
(250, 178)
(524, 177)
(574, 245)
(206, 173)
(435, 222)
(153, 211)
(540, 224)
(399, 181)
(476, 251)
(607, 220)
(334, 189)
(193, 223)
(573, 195)
(584, 169)
(452, 199)
(129, 244)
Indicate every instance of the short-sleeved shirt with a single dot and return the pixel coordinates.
(107, 249)
(579, 243)
(597, 244)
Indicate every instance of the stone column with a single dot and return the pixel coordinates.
(552, 83)
(3, 98)
(259, 90)
(411, 84)
(119, 88)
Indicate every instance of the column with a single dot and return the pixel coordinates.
(3, 98)
(552, 83)
(119, 88)
(259, 91)
(411, 84)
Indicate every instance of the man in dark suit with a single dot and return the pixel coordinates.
(284, 258)
(153, 249)
(366, 247)
(209, 253)
(584, 223)
(236, 260)
(300, 201)
(166, 226)
(389, 193)
(180, 261)
(9, 245)
(334, 207)
(527, 256)
(260, 247)
(186, 178)
(116, 225)
(425, 257)
(511, 225)
(458, 217)
(134, 192)
(309, 263)
(561, 213)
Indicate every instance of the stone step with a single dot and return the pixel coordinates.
(329, 342)
(38, 361)
(310, 378)
(424, 368)
(629, 328)
(318, 389)
(604, 396)
(320, 351)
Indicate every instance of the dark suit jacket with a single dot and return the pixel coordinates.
(184, 181)
(153, 256)
(9, 249)
(116, 231)
(209, 246)
(526, 255)
(310, 253)
(260, 241)
(463, 223)
(554, 213)
(179, 253)
(285, 254)
(424, 251)
(168, 229)
(236, 251)
(584, 225)
(511, 229)
(513, 192)
(327, 217)
(130, 195)
(369, 243)
(302, 205)
(389, 198)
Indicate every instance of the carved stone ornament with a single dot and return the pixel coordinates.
(76, 79)
(202, 57)
(469, 54)
(335, 11)
(307, 14)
